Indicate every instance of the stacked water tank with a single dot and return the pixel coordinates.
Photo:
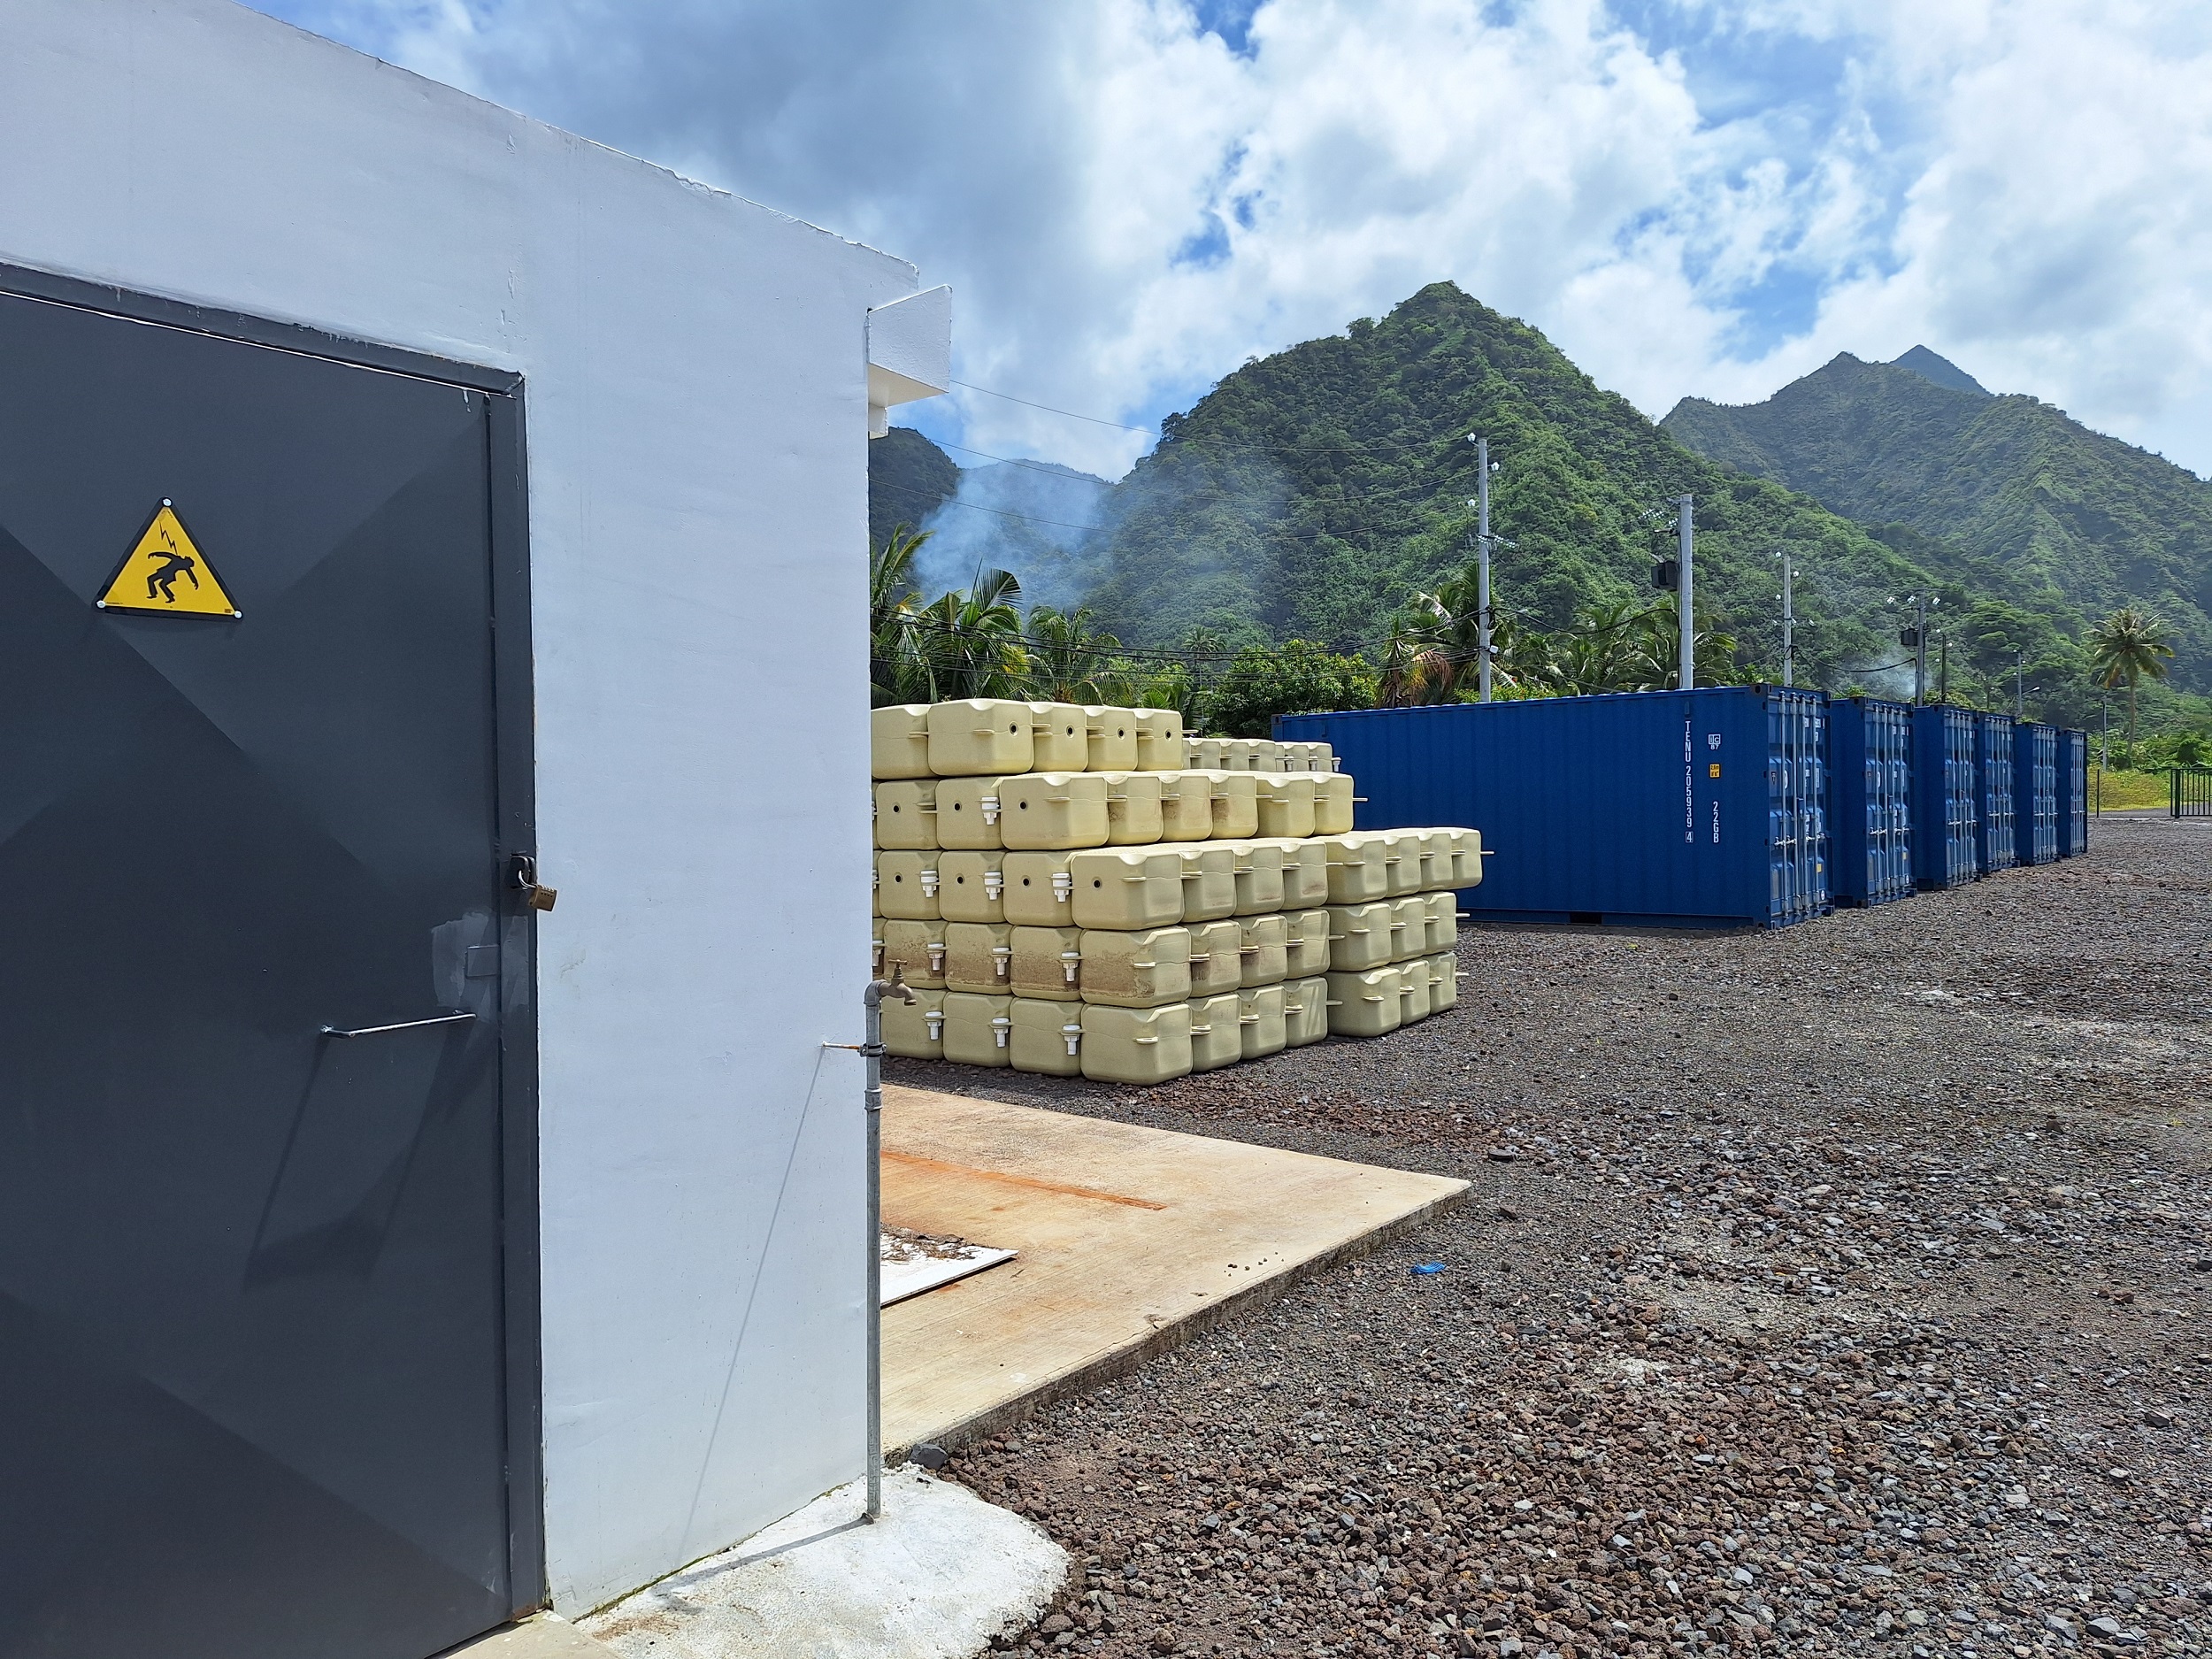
(1085, 891)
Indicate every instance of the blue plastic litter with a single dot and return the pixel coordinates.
(1426, 1268)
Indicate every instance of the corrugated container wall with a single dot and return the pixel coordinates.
(2035, 792)
(1705, 807)
(1944, 805)
(1995, 846)
(2073, 794)
(1869, 791)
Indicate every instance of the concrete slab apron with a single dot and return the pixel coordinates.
(936, 1577)
(1130, 1239)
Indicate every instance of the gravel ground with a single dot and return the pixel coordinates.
(1847, 1289)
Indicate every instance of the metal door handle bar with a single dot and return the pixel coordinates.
(405, 1025)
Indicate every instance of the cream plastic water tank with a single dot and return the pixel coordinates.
(1136, 1045)
(1443, 920)
(1436, 859)
(1320, 757)
(1290, 757)
(906, 814)
(971, 886)
(1113, 737)
(1236, 754)
(1052, 811)
(1039, 892)
(1409, 926)
(1306, 1011)
(1413, 990)
(1187, 806)
(1364, 1004)
(1332, 804)
(1047, 1038)
(980, 957)
(979, 1030)
(1144, 970)
(1047, 963)
(1305, 873)
(1259, 876)
(1126, 888)
(918, 948)
(1132, 808)
(1306, 943)
(1160, 740)
(1403, 859)
(1443, 982)
(1360, 936)
(1260, 1023)
(967, 814)
(906, 885)
(1216, 957)
(1262, 951)
(1466, 858)
(1266, 755)
(915, 1030)
(1285, 800)
(980, 736)
(1356, 872)
(1204, 753)
(1217, 1038)
(898, 741)
(1060, 739)
(1236, 805)
(1209, 879)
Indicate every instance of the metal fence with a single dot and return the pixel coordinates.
(2192, 791)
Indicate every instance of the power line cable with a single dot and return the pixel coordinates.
(1049, 409)
(954, 501)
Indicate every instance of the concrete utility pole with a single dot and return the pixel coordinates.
(1687, 676)
(1789, 623)
(1482, 566)
(2019, 684)
(1919, 648)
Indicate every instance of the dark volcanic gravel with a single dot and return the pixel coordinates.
(1847, 1289)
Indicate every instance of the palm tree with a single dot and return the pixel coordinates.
(970, 645)
(895, 672)
(2124, 647)
(1070, 659)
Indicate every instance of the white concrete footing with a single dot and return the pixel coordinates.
(936, 1577)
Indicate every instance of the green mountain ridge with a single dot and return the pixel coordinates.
(1311, 493)
(2079, 523)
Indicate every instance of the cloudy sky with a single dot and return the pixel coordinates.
(1129, 197)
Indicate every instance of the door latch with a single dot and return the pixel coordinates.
(522, 874)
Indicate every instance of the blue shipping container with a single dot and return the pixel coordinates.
(2035, 792)
(1870, 790)
(1995, 847)
(1702, 807)
(1944, 812)
(2073, 794)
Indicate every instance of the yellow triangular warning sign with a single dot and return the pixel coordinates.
(168, 575)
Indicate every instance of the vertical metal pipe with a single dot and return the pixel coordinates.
(1482, 564)
(871, 1102)
(872, 1050)
(1687, 676)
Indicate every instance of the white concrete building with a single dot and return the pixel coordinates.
(264, 230)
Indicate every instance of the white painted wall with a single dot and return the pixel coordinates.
(698, 403)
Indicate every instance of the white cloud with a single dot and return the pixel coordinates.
(1713, 203)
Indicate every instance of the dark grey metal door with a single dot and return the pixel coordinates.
(254, 1372)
